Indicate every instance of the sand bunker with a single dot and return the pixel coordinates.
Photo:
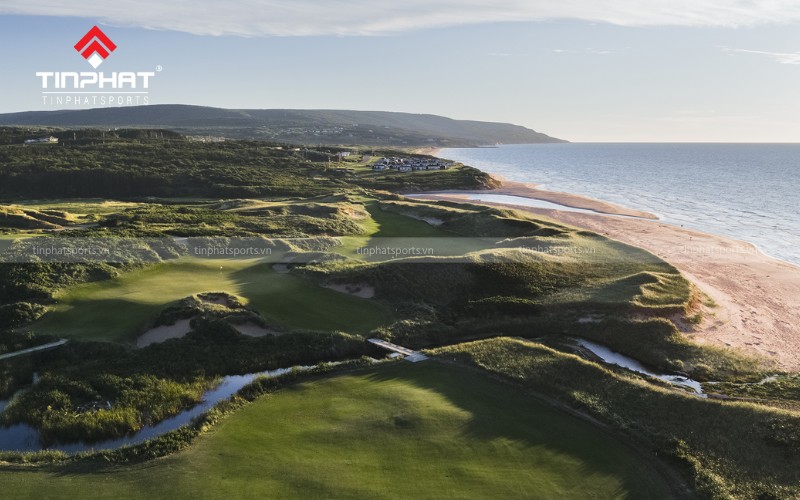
(253, 330)
(164, 332)
(359, 290)
(281, 268)
(433, 221)
(181, 328)
(220, 301)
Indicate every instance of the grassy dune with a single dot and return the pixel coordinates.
(402, 431)
(510, 254)
(731, 449)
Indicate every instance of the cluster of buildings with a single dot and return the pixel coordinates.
(409, 164)
(43, 140)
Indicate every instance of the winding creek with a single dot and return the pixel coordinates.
(615, 358)
(22, 437)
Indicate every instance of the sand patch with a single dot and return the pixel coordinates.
(220, 301)
(250, 329)
(359, 290)
(433, 221)
(164, 332)
(281, 268)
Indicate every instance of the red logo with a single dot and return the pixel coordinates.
(95, 47)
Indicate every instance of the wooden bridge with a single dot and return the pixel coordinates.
(31, 350)
(408, 354)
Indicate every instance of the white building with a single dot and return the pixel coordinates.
(43, 140)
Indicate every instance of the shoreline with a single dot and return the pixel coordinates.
(756, 297)
(532, 191)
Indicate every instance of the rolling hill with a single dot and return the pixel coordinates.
(379, 128)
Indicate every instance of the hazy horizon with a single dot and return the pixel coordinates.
(627, 72)
(569, 141)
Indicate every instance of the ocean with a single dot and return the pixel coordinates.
(744, 191)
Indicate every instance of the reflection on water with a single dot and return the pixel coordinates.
(615, 358)
(525, 202)
(23, 437)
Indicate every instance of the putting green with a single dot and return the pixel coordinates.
(120, 309)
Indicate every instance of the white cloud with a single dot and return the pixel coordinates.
(588, 50)
(375, 17)
(781, 57)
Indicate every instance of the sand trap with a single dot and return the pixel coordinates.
(165, 332)
(433, 221)
(254, 330)
(363, 291)
(220, 301)
(281, 268)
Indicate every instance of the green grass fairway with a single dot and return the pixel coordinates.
(394, 225)
(382, 224)
(387, 229)
(402, 431)
(119, 309)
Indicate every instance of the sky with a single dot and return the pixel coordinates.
(582, 70)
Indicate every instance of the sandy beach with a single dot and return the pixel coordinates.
(524, 190)
(757, 297)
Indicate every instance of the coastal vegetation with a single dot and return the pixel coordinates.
(448, 428)
(317, 253)
(696, 433)
(114, 166)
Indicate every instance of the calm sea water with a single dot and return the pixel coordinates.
(746, 191)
